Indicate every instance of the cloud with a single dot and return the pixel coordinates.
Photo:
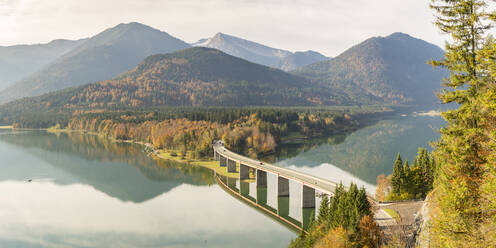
(328, 26)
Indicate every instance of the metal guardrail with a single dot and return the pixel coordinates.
(317, 183)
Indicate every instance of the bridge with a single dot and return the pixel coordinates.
(310, 187)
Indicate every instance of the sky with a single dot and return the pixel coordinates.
(326, 26)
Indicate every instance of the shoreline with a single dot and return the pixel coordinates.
(157, 153)
(172, 155)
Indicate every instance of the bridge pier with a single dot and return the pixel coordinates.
(244, 172)
(231, 183)
(223, 161)
(308, 197)
(261, 179)
(231, 166)
(282, 186)
(244, 188)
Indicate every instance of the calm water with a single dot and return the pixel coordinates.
(364, 154)
(89, 192)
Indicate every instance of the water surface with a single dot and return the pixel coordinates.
(362, 155)
(75, 190)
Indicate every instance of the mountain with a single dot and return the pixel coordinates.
(192, 77)
(19, 61)
(101, 57)
(260, 54)
(300, 59)
(390, 69)
(251, 51)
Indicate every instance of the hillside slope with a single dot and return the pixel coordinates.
(19, 61)
(260, 54)
(390, 69)
(192, 77)
(300, 59)
(102, 57)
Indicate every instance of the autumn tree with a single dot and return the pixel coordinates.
(383, 187)
(370, 234)
(462, 151)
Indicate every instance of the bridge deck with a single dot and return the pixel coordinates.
(317, 183)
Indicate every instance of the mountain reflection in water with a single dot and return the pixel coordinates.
(101, 163)
(365, 153)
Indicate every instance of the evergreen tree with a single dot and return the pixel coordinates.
(398, 175)
(461, 152)
(406, 182)
(346, 212)
(323, 210)
(352, 215)
(363, 204)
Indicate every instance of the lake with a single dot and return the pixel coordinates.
(90, 192)
(76, 190)
(364, 154)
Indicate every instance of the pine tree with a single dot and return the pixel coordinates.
(323, 210)
(352, 214)
(406, 182)
(363, 204)
(423, 170)
(460, 151)
(335, 211)
(488, 123)
(397, 175)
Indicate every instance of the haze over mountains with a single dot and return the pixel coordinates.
(101, 57)
(260, 54)
(17, 62)
(197, 76)
(380, 70)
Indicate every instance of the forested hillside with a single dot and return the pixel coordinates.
(192, 77)
(462, 204)
(104, 56)
(300, 59)
(390, 69)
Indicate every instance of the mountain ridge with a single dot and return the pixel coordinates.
(193, 77)
(101, 57)
(19, 61)
(259, 53)
(391, 69)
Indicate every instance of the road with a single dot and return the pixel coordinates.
(317, 183)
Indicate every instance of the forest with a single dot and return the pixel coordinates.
(463, 198)
(345, 220)
(251, 131)
(408, 182)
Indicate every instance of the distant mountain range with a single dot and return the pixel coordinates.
(17, 62)
(380, 70)
(390, 69)
(261, 54)
(101, 57)
(193, 77)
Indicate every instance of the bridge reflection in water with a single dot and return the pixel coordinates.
(291, 197)
(285, 210)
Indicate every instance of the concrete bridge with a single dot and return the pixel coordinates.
(310, 188)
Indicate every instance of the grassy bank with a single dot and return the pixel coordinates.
(391, 213)
(210, 164)
(161, 154)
